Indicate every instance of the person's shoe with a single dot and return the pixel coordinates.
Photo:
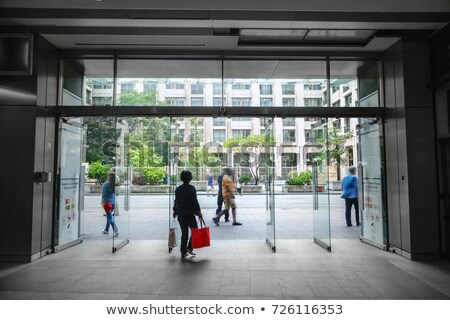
(358, 224)
(184, 255)
(104, 231)
(237, 224)
(216, 221)
(227, 220)
(116, 234)
(190, 252)
(349, 225)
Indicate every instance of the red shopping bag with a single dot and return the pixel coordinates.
(200, 236)
(107, 206)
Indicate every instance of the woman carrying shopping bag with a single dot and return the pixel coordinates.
(186, 207)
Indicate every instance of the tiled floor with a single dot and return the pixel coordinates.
(238, 265)
(229, 269)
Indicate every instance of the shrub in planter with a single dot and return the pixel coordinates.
(301, 178)
(245, 179)
(98, 172)
(153, 176)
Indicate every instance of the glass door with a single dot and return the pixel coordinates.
(67, 221)
(269, 179)
(371, 184)
(122, 171)
(320, 178)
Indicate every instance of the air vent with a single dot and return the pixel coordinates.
(172, 45)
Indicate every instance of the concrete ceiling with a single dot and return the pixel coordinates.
(211, 27)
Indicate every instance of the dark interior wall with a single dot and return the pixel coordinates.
(440, 67)
(17, 137)
(27, 134)
(410, 151)
(420, 128)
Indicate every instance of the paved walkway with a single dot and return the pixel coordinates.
(229, 269)
(238, 265)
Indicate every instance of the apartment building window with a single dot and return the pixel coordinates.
(197, 102)
(265, 121)
(101, 101)
(265, 89)
(241, 119)
(150, 85)
(337, 124)
(89, 97)
(318, 134)
(197, 88)
(265, 102)
(102, 86)
(217, 102)
(312, 86)
(217, 88)
(175, 102)
(289, 122)
(334, 89)
(240, 86)
(174, 86)
(177, 134)
(196, 135)
(240, 133)
(307, 135)
(288, 135)
(219, 122)
(288, 102)
(348, 100)
(346, 125)
(289, 159)
(241, 102)
(312, 102)
(288, 88)
(345, 88)
(126, 86)
(336, 104)
(219, 135)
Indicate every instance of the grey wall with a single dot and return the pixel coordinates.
(27, 135)
(410, 151)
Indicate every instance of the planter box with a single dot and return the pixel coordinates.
(150, 189)
(199, 185)
(334, 185)
(251, 189)
(293, 188)
(92, 188)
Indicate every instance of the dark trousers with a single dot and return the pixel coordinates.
(219, 208)
(186, 222)
(348, 207)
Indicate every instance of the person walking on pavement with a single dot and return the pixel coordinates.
(108, 202)
(350, 194)
(228, 197)
(186, 207)
(220, 196)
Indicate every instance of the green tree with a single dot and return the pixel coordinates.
(253, 150)
(333, 148)
(101, 136)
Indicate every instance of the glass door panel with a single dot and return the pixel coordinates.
(371, 184)
(121, 218)
(269, 177)
(67, 222)
(320, 175)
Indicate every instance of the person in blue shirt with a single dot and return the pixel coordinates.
(350, 194)
(108, 202)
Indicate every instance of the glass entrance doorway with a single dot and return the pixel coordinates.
(288, 186)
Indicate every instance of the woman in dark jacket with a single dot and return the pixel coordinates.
(186, 207)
